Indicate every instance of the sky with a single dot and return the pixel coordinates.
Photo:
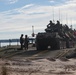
(18, 16)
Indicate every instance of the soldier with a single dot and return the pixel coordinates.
(21, 41)
(50, 24)
(66, 28)
(26, 40)
(58, 25)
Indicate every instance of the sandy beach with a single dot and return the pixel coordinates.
(44, 66)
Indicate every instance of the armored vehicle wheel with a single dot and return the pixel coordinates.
(56, 44)
(41, 47)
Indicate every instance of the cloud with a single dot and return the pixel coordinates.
(71, 1)
(9, 1)
(25, 7)
(21, 19)
(35, 13)
(52, 1)
(12, 1)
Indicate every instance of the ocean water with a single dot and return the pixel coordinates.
(7, 44)
(13, 43)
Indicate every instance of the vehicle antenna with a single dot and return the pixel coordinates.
(71, 23)
(66, 19)
(59, 14)
(53, 14)
(61, 18)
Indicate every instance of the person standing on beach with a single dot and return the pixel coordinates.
(26, 41)
(21, 41)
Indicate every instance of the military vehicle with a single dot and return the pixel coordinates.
(55, 37)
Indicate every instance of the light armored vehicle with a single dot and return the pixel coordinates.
(54, 37)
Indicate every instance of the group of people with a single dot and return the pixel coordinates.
(24, 42)
(54, 27)
(63, 30)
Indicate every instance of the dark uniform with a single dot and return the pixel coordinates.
(26, 40)
(58, 25)
(50, 24)
(50, 27)
(21, 41)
